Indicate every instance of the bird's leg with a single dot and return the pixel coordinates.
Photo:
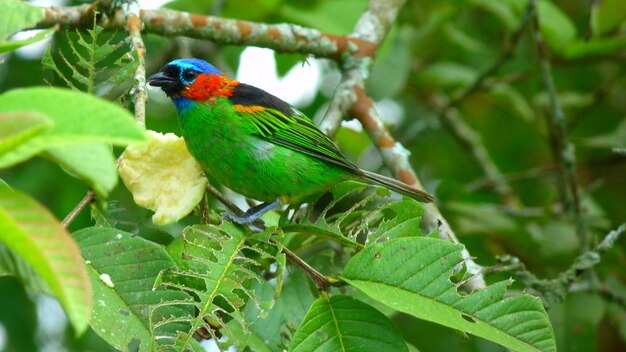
(253, 214)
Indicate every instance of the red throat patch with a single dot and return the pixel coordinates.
(209, 86)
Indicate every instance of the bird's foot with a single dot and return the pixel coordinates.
(251, 217)
(256, 225)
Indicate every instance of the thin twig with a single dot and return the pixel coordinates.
(322, 282)
(77, 209)
(472, 142)
(555, 290)
(469, 138)
(563, 150)
(140, 96)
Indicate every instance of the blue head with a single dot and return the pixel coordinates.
(179, 74)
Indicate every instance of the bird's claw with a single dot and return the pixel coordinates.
(246, 221)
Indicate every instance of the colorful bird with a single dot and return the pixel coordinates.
(255, 143)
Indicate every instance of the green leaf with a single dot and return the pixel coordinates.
(576, 321)
(30, 231)
(78, 118)
(607, 15)
(337, 16)
(16, 44)
(123, 269)
(93, 163)
(356, 208)
(593, 47)
(343, 323)
(13, 265)
(616, 138)
(447, 75)
(412, 275)
(391, 69)
(217, 269)
(481, 218)
(504, 10)
(17, 127)
(17, 15)
(290, 308)
(558, 29)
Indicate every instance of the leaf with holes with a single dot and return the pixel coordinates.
(30, 231)
(123, 269)
(342, 323)
(356, 208)
(412, 275)
(216, 266)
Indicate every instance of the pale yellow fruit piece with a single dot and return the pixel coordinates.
(163, 177)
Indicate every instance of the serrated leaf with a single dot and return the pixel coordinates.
(123, 269)
(48, 63)
(125, 70)
(17, 15)
(16, 44)
(342, 323)
(217, 274)
(412, 275)
(17, 127)
(93, 163)
(78, 118)
(357, 208)
(29, 230)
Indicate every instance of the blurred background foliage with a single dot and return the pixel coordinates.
(434, 52)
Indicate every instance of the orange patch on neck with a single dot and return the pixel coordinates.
(248, 109)
(209, 86)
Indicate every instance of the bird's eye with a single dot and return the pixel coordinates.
(189, 75)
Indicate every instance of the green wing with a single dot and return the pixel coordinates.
(297, 132)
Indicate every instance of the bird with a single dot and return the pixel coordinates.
(255, 143)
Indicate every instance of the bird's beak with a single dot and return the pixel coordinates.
(162, 80)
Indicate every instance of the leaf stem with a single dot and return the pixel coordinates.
(77, 209)
(563, 150)
(555, 290)
(321, 282)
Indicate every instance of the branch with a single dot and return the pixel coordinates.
(469, 138)
(372, 26)
(563, 150)
(140, 96)
(280, 37)
(321, 282)
(555, 290)
(350, 98)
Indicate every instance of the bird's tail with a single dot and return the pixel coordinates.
(399, 187)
